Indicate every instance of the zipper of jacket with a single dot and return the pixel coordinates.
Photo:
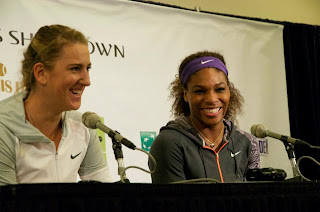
(57, 158)
(218, 163)
(57, 164)
(218, 160)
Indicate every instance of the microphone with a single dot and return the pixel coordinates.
(260, 131)
(93, 121)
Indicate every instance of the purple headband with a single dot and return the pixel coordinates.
(200, 63)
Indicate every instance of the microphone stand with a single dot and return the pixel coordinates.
(117, 149)
(290, 151)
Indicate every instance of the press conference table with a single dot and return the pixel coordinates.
(262, 196)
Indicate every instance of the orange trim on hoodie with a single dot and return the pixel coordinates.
(218, 162)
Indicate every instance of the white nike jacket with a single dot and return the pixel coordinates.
(27, 156)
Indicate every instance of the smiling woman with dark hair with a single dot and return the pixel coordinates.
(203, 142)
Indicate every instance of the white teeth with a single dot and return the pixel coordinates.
(76, 91)
(211, 110)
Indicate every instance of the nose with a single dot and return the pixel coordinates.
(85, 78)
(211, 97)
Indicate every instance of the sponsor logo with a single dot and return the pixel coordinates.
(100, 48)
(106, 49)
(233, 155)
(102, 139)
(6, 85)
(147, 139)
(204, 62)
(3, 70)
(263, 146)
(74, 156)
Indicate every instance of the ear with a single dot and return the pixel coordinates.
(40, 74)
(185, 97)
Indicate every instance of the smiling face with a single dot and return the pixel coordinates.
(208, 96)
(67, 80)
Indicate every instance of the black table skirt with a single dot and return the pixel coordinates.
(273, 196)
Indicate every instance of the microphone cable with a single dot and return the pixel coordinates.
(306, 157)
(122, 172)
(198, 180)
(314, 147)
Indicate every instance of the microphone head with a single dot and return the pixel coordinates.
(259, 131)
(253, 129)
(90, 120)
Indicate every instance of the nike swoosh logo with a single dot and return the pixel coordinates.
(73, 157)
(233, 155)
(204, 62)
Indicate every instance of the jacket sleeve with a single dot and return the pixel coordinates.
(7, 164)
(168, 153)
(94, 166)
(254, 157)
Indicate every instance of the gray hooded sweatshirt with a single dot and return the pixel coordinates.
(181, 154)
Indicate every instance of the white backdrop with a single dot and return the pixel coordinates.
(144, 45)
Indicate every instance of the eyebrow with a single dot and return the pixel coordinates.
(202, 86)
(78, 64)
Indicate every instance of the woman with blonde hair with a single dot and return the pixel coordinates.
(42, 138)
